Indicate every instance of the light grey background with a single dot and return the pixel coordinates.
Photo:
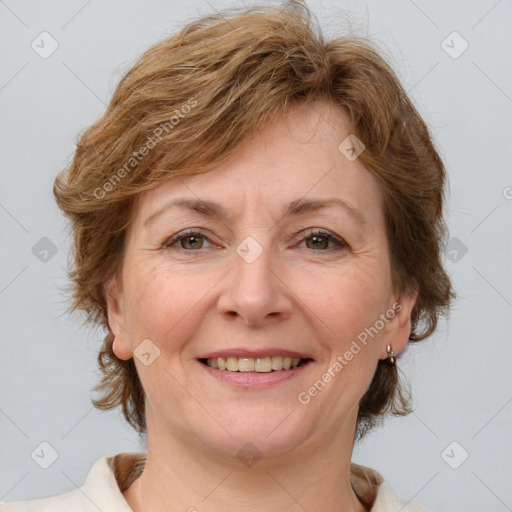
(461, 377)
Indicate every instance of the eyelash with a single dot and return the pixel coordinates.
(340, 243)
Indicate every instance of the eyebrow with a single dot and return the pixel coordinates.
(296, 207)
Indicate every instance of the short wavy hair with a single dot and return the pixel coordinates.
(190, 101)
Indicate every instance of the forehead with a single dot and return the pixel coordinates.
(295, 156)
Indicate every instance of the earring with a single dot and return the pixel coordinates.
(391, 354)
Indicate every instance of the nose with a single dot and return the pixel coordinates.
(255, 290)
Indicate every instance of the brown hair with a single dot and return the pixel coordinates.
(191, 101)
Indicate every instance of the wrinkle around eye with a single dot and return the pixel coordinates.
(300, 240)
(177, 239)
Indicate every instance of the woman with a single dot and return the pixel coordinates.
(257, 220)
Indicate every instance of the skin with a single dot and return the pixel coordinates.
(301, 293)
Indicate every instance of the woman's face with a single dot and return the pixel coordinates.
(287, 257)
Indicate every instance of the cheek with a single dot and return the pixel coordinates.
(347, 302)
(168, 304)
(163, 302)
(162, 310)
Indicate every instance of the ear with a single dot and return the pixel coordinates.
(117, 319)
(398, 329)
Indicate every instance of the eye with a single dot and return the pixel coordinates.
(320, 240)
(189, 240)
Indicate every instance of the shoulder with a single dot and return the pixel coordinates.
(376, 494)
(386, 501)
(109, 476)
(72, 500)
(101, 490)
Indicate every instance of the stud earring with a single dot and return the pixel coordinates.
(391, 354)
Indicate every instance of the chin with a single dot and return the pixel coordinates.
(250, 434)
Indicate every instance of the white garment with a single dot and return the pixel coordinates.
(110, 476)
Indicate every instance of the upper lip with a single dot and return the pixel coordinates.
(254, 354)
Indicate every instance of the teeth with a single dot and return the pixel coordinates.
(263, 365)
(244, 364)
(277, 363)
(249, 364)
(232, 364)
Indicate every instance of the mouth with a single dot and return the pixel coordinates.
(266, 364)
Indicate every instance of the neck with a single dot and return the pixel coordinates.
(181, 477)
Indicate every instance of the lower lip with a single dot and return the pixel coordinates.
(255, 379)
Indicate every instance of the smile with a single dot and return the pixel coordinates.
(249, 364)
